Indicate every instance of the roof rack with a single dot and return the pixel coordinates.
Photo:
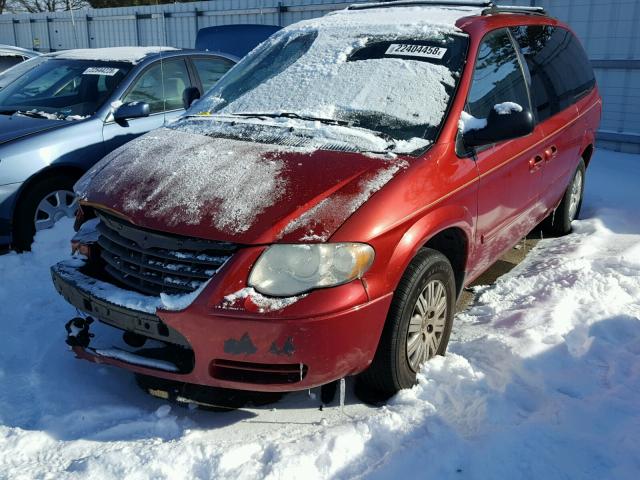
(409, 3)
(490, 8)
(495, 9)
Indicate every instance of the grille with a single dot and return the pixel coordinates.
(152, 262)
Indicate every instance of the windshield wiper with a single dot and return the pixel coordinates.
(328, 121)
(7, 112)
(33, 114)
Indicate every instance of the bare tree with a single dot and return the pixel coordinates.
(36, 6)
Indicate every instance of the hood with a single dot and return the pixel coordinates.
(231, 190)
(13, 127)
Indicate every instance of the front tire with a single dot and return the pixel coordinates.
(559, 223)
(418, 326)
(41, 206)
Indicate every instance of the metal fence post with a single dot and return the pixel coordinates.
(15, 32)
(46, 21)
(135, 19)
(87, 19)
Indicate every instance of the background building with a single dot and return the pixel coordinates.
(610, 31)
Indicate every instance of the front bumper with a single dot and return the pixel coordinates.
(238, 350)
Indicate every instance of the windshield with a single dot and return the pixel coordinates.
(394, 85)
(62, 89)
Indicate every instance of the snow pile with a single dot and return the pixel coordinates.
(113, 54)
(542, 380)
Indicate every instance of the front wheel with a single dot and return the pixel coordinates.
(417, 328)
(41, 206)
(559, 223)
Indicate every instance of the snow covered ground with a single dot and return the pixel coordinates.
(542, 381)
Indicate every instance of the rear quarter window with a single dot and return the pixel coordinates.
(559, 67)
(211, 70)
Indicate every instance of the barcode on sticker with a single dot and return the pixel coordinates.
(108, 71)
(422, 51)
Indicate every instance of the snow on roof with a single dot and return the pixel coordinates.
(395, 18)
(113, 54)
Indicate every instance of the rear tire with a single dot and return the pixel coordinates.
(559, 222)
(41, 206)
(418, 327)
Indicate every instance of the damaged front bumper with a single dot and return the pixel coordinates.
(231, 349)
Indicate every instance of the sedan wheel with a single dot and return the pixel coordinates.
(55, 206)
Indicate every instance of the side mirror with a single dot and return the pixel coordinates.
(190, 95)
(503, 123)
(131, 110)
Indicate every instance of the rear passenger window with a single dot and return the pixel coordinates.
(211, 70)
(497, 77)
(560, 70)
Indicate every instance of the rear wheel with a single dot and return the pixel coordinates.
(45, 202)
(559, 222)
(417, 328)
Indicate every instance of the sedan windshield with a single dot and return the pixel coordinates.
(395, 85)
(62, 89)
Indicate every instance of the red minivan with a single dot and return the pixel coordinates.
(318, 212)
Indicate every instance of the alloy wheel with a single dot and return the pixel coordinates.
(55, 206)
(575, 196)
(427, 324)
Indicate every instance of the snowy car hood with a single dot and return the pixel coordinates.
(231, 190)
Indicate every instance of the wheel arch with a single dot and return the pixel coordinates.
(448, 230)
(587, 153)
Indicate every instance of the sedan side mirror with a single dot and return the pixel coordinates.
(506, 121)
(190, 95)
(130, 111)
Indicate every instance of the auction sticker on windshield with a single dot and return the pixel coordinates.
(108, 71)
(422, 51)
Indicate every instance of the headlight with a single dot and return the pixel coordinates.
(286, 270)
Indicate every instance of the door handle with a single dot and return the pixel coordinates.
(550, 152)
(535, 163)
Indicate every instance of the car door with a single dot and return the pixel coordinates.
(560, 75)
(510, 172)
(161, 86)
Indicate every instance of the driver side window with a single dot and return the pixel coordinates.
(497, 77)
(150, 86)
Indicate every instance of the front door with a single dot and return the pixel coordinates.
(161, 86)
(510, 172)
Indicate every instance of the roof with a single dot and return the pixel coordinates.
(17, 50)
(379, 18)
(114, 54)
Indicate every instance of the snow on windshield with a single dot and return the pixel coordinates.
(314, 74)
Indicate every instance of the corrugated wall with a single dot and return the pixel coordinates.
(170, 24)
(609, 30)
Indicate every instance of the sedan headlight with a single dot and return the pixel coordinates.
(286, 270)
